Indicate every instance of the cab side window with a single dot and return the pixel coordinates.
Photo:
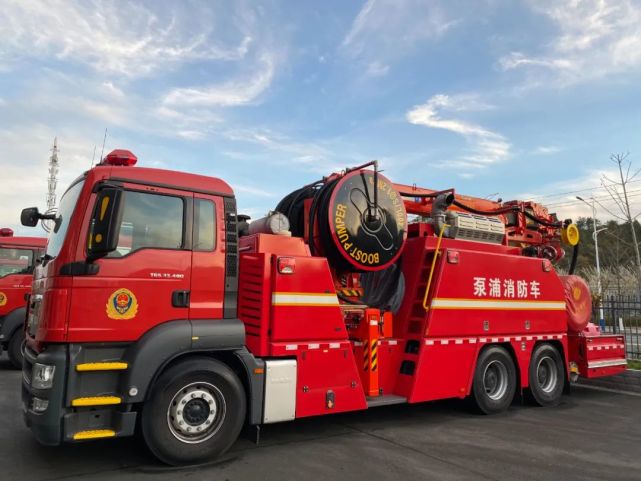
(204, 225)
(150, 221)
(15, 261)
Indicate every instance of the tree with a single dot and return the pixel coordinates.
(618, 191)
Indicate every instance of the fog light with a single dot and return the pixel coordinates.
(39, 405)
(42, 376)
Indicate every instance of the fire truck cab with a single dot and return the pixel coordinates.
(18, 256)
(155, 306)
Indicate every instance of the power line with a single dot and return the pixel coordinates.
(587, 189)
(605, 198)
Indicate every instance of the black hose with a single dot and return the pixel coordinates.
(419, 196)
(503, 210)
(554, 225)
(575, 255)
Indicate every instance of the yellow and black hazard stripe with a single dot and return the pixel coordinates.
(374, 354)
(351, 292)
(365, 356)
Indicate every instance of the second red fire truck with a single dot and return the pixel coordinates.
(18, 256)
(157, 306)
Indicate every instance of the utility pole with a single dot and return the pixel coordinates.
(598, 265)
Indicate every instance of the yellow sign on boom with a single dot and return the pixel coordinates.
(570, 235)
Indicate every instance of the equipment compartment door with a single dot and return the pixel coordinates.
(208, 258)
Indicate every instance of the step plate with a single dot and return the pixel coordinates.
(386, 400)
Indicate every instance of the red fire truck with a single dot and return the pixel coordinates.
(18, 256)
(157, 306)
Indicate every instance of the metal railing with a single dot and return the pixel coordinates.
(622, 316)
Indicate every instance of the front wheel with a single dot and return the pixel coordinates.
(547, 376)
(195, 413)
(494, 383)
(14, 349)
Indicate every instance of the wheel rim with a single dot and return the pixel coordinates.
(495, 380)
(546, 374)
(196, 412)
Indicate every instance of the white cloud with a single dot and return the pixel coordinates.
(115, 38)
(384, 30)
(486, 147)
(595, 38)
(304, 154)
(377, 69)
(103, 47)
(255, 191)
(547, 150)
(235, 92)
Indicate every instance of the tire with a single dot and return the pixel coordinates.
(14, 349)
(494, 382)
(173, 435)
(546, 376)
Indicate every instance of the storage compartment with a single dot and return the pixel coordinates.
(597, 355)
(280, 391)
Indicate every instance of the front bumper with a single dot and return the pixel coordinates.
(62, 421)
(47, 426)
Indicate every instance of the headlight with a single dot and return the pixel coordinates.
(42, 376)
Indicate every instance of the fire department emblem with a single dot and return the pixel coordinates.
(3, 299)
(122, 304)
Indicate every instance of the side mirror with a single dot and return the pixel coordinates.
(30, 217)
(104, 229)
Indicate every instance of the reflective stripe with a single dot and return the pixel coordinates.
(497, 304)
(607, 363)
(96, 401)
(102, 366)
(304, 299)
(95, 434)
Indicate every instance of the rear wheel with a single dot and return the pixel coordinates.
(494, 383)
(195, 413)
(14, 349)
(546, 376)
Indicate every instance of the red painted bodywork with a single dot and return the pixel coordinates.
(15, 287)
(430, 354)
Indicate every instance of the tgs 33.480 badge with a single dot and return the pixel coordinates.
(122, 304)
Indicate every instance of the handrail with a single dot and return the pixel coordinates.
(436, 254)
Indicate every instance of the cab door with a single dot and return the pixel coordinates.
(146, 280)
(208, 258)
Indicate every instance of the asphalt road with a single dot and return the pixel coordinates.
(592, 435)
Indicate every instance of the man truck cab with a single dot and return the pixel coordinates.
(18, 256)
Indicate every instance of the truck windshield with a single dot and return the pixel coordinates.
(59, 231)
(15, 261)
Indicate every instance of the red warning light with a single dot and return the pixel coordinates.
(120, 157)
(6, 232)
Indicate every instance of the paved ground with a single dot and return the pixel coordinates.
(593, 435)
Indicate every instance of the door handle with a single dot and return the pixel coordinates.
(180, 298)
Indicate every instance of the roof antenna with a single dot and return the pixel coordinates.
(93, 157)
(103, 145)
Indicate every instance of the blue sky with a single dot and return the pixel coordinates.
(523, 99)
